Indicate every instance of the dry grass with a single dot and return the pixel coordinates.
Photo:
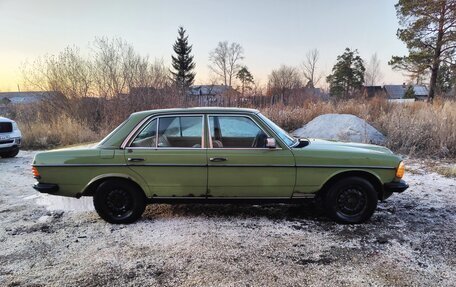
(417, 129)
(447, 171)
(62, 131)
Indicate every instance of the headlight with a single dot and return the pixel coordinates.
(400, 170)
(15, 127)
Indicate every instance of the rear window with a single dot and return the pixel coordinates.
(6, 127)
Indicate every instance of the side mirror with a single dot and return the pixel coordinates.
(271, 143)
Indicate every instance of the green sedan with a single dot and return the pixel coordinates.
(218, 155)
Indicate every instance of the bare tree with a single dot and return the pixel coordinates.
(373, 74)
(80, 85)
(68, 73)
(225, 59)
(309, 68)
(283, 80)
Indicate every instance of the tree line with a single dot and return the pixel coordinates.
(113, 67)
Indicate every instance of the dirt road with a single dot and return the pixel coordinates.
(410, 241)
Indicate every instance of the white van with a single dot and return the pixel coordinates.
(10, 138)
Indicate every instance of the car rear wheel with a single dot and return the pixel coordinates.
(351, 200)
(119, 202)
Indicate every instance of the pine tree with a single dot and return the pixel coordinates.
(409, 93)
(347, 74)
(183, 62)
(428, 28)
(245, 77)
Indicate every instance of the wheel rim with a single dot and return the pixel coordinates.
(119, 203)
(351, 200)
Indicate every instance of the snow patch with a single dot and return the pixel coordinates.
(342, 127)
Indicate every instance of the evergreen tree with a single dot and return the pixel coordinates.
(409, 93)
(183, 62)
(347, 74)
(429, 31)
(245, 77)
(446, 79)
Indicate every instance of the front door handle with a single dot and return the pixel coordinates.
(135, 159)
(218, 159)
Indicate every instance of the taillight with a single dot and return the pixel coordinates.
(35, 172)
(400, 170)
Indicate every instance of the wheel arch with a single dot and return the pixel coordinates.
(371, 177)
(92, 186)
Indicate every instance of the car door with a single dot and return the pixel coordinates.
(168, 153)
(240, 164)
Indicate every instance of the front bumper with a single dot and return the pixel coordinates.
(46, 187)
(4, 148)
(395, 186)
(10, 143)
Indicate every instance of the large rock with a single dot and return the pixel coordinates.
(342, 127)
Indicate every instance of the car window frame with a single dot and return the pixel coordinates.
(137, 130)
(268, 134)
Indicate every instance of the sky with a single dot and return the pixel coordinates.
(272, 32)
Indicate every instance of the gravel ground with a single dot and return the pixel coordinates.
(410, 241)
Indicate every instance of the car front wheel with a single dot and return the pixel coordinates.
(351, 200)
(119, 202)
(11, 153)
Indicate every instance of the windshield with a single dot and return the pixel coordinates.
(283, 135)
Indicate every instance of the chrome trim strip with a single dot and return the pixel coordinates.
(79, 165)
(139, 164)
(250, 165)
(344, 166)
(170, 164)
(218, 197)
(209, 165)
(248, 197)
(163, 165)
(298, 194)
(163, 148)
(246, 148)
(209, 131)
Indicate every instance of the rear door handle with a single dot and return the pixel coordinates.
(135, 159)
(217, 159)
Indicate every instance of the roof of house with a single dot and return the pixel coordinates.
(208, 90)
(22, 97)
(398, 91)
(372, 90)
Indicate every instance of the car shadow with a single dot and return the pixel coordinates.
(305, 210)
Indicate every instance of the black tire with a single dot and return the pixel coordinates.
(119, 201)
(11, 153)
(351, 200)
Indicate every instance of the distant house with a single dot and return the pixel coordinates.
(211, 94)
(21, 97)
(372, 91)
(397, 92)
(8, 99)
(315, 92)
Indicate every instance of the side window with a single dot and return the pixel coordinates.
(236, 132)
(147, 137)
(180, 131)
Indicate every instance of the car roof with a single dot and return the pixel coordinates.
(197, 110)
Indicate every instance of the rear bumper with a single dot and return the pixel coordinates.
(46, 187)
(395, 186)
